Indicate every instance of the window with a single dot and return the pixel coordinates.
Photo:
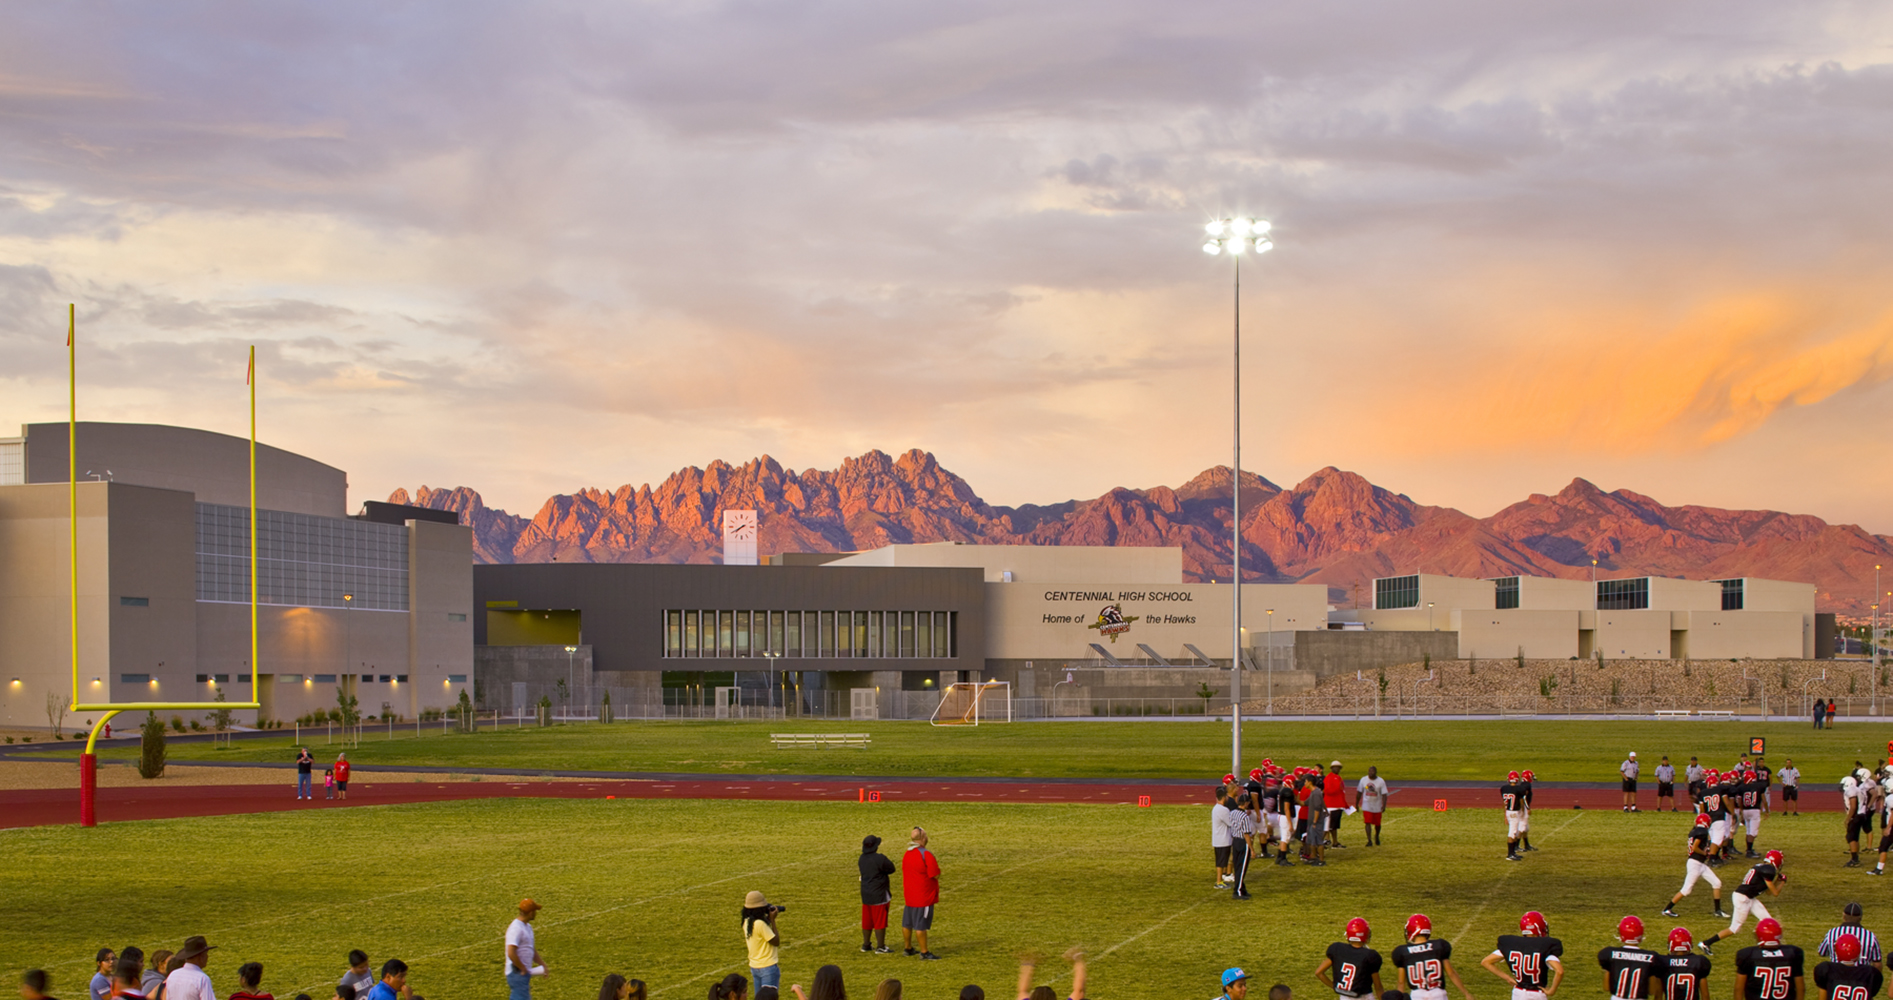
(455, 616)
(401, 678)
(924, 641)
(828, 633)
(793, 639)
(775, 632)
(1623, 595)
(134, 678)
(222, 678)
(673, 633)
(874, 633)
(907, 633)
(1731, 594)
(202, 678)
(325, 678)
(385, 678)
(134, 602)
(725, 632)
(243, 678)
(1505, 592)
(456, 678)
(289, 678)
(368, 678)
(302, 560)
(1393, 592)
(753, 634)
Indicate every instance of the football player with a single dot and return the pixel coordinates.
(1512, 798)
(1426, 963)
(1680, 975)
(1769, 969)
(1528, 960)
(1754, 788)
(1356, 966)
(1729, 792)
(1258, 814)
(1847, 977)
(1767, 877)
(1715, 807)
(1886, 822)
(1628, 968)
(1524, 813)
(1696, 866)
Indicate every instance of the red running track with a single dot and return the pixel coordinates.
(42, 807)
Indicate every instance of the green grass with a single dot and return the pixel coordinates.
(651, 889)
(1557, 750)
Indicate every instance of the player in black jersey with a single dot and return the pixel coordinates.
(1529, 960)
(1524, 816)
(1769, 969)
(1696, 866)
(1715, 807)
(1264, 831)
(1512, 800)
(1628, 968)
(1356, 966)
(1752, 790)
(1765, 877)
(1681, 974)
(1847, 978)
(1426, 964)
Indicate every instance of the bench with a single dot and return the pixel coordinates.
(780, 740)
(1672, 713)
(1684, 713)
(1722, 714)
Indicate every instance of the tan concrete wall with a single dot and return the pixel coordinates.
(440, 587)
(215, 467)
(304, 642)
(1684, 595)
(1746, 634)
(1543, 593)
(1446, 592)
(1777, 595)
(1036, 563)
(35, 651)
(1635, 634)
(153, 541)
(1049, 621)
(1544, 635)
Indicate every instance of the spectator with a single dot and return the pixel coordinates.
(888, 990)
(126, 976)
(250, 983)
(1833, 712)
(151, 984)
(1235, 984)
(328, 781)
(189, 981)
(394, 982)
(1371, 798)
(1820, 712)
(827, 985)
(971, 992)
(762, 939)
(876, 895)
(102, 964)
(305, 774)
(732, 986)
(358, 979)
(34, 984)
(1028, 992)
(1219, 838)
(341, 774)
(1334, 794)
(1850, 924)
(615, 987)
(1279, 991)
(523, 959)
(920, 889)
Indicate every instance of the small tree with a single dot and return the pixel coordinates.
(220, 718)
(1426, 662)
(1521, 657)
(57, 705)
(151, 747)
(1853, 685)
(1203, 691)
(1615, 697)
(565, 698)
(606, 714)
(545, 710)
(464, 710)
(1547, 686)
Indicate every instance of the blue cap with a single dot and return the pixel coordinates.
(1232, 976)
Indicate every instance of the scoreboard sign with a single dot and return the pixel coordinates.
(1758, 746)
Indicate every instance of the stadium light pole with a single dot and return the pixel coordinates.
(570, 689)
(1235, 237)
(1873, 643)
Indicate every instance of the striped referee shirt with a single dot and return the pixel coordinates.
(1241, 824)
(1869, 945)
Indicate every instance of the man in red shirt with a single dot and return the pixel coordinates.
(341, 774)
(1334, 796)
(920, 890)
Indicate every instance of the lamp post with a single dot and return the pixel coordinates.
(569, 688)
(1429, 616)
(1873, 643)
(1235, 237)
(771, 655)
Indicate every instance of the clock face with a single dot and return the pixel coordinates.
(740, 524)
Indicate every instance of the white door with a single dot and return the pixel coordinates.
(865, 703)
(726, 698)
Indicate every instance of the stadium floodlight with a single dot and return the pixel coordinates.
(1234, 236)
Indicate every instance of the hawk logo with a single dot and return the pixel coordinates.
(1111, 621)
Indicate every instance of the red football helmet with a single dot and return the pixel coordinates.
(1630, 930)
(1773, 858)
(1268, 762)
(1768, 931)
(1417, 925)
(1358, 932)
(1847, 948)
(1511, 776)
(1533, 924)
(1528, 776)
(1702, 819)
(1255, 773)
(1709, 775)
(1680, 939)
(1229, 779)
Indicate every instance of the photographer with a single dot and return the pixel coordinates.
(765, 945)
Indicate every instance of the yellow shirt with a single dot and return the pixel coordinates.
(762, 944)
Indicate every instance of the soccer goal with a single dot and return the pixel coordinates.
(969, 703)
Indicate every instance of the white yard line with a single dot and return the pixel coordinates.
(1496, 886)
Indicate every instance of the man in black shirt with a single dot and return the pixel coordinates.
(1696, 866)
(1847, 978)
(876, 894)
(1769, 969)
(1425, 963)
(1765, 877)
(1715, 807)
(1529, 960)
(1680, 975)
(1752, 790)
(1356, 966)
(1628, 968)
(1512, 800)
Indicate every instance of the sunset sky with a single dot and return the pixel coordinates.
(529, 248)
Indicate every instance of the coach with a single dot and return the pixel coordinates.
(1850, 924)
(920, 889)
(1629, 770)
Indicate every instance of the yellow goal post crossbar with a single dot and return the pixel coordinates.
(112, 709)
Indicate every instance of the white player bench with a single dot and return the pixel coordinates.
(1672, 713)
(1684, 713)
(780, 740)
(1719, 714)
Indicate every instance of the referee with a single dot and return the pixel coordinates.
(1850, 924)
(1241, 829)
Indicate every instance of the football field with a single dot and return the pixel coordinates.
(651, 889)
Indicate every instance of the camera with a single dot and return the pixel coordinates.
(778, 908)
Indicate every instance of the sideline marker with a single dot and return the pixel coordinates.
(1439, 805)
(1143, 802)
(874, 796)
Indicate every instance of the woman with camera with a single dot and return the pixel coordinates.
(765, 945)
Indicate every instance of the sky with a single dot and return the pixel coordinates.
(531, 248)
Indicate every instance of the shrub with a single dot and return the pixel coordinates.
(196, 726)
(151, 747)
(177, 723)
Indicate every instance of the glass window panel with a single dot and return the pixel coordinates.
(690, 633)
(775, 633)
(828, 633)
(673, 633)
(924, 641)
(725, 632)
(793, 644)
(907, 633)
(844, 633)
(742, 633)
(874, 633)
(940, 634)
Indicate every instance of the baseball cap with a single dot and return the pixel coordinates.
(1633, 753)
(1233, 976)
(1334, 763)
(1851, 909)
(528, 906)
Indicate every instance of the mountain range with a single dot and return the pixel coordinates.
(1334, 527)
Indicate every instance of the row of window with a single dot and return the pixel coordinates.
(1505, 593)
(1392, 592)
(871, 634)
(1731, 594)
(288, 678)
(302, 560)
(1623, 595)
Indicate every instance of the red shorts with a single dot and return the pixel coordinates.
(874, 917)
(1370, 819)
